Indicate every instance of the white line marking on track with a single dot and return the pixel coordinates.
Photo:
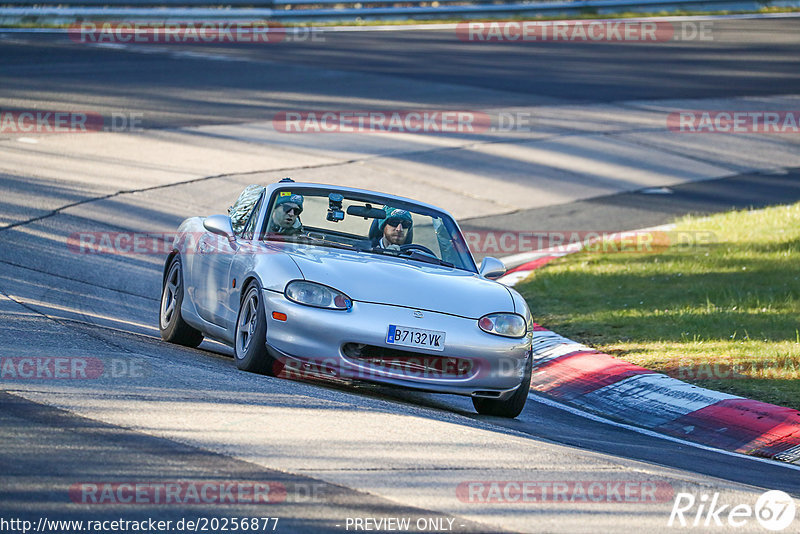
(117, 46)
(657, 191)
(185, 54)
(653, 434)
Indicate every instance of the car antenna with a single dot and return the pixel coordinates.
(287, 179)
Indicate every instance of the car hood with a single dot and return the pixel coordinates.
(402, 282)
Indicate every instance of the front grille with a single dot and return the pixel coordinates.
(409, 363)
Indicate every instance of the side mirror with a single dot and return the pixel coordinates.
(492, 268)
(220, 225)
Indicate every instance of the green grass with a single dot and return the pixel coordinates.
(723, 314)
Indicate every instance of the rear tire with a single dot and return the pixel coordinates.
(250, 338)
(512, 406)
(172, 326)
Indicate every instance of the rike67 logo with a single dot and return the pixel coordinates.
(774, 510)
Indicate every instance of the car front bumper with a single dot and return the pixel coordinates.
(321, 342)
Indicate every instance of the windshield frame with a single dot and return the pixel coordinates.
(367, 197)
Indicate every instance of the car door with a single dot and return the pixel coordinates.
(212, 271)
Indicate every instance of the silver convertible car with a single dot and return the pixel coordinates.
(318, 281)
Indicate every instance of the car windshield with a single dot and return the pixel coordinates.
(366, 223)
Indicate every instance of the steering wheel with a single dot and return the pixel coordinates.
(415, 246)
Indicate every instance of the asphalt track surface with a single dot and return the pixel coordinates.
(745, 58)
(46, 449)
(644, 209)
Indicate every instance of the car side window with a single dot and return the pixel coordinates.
(250, 226)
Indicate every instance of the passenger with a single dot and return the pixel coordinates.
(394, 228)
(240, 211)
(285, 218)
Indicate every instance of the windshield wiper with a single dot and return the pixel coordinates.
(334, 244)
(421, 256)
(411, 254)
(303, 238)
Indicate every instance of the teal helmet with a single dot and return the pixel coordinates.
(283, 198)
(395, 213)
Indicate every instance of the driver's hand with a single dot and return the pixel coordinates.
(393, 247)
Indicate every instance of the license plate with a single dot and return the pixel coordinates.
(415, 337)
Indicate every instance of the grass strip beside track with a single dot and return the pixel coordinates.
(722, 312)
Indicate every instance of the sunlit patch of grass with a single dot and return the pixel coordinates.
(724, 293)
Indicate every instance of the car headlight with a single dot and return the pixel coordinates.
(503, 324)
(317, 295)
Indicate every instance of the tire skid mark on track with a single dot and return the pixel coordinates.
(67, 322)
(351, 161)
(129, 451)
(72, 279)
(735, 171)
(667, 150)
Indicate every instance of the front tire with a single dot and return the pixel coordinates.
(172, 326)
(512, 406)
(250, 338)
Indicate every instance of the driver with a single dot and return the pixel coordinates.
(285, 218)
(394, 228)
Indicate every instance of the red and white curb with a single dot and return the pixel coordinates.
(536, 261)
(591, 381)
